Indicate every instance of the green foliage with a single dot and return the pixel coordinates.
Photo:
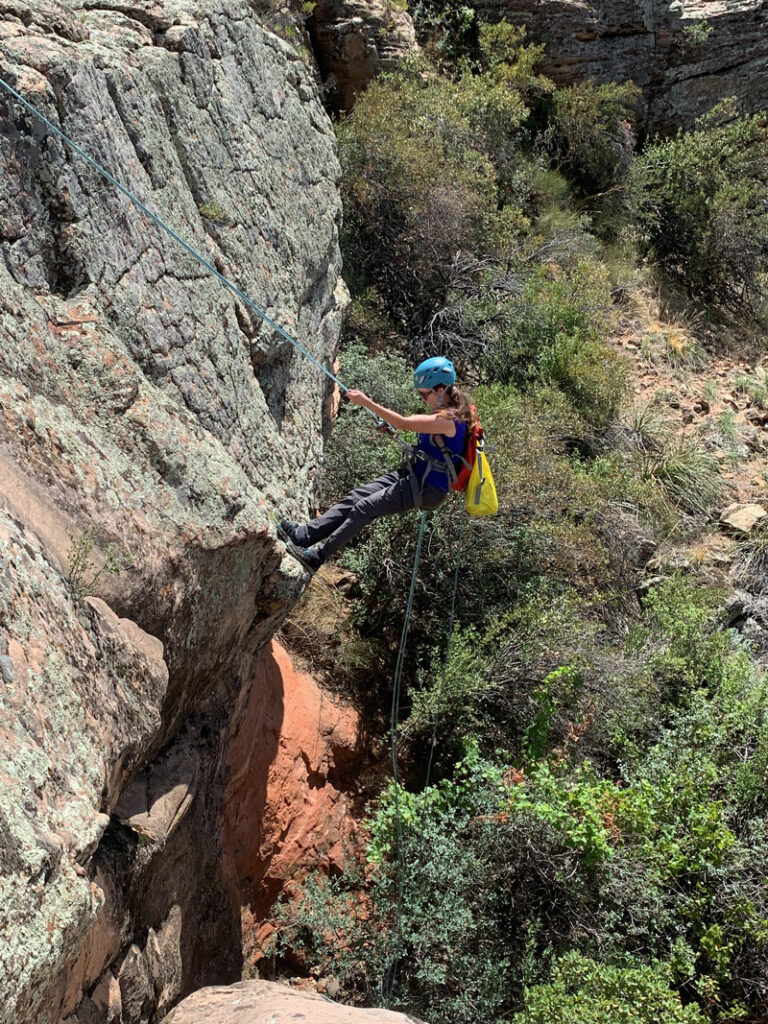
(553, 333)
(645, 835)
(593, 844)
(428, 164)
(416, 187)
(582, 991)
(215, 212)
(699, 200)
(562, 683)
(696, 33)
(448, 28)
(591, 134)
(694, 650)
(87, 571)
(679, 471)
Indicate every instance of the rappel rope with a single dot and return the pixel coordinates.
(183, 243)
(389, 978)
(433, 740)
(390, 975)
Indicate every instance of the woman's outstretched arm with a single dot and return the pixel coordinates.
(430, 423)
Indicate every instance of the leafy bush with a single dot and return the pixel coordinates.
(582, 991)
(593, 842)
(509, 860)
(681, 472)
(553, 333)
(428, 162)
(449, 28)
(700, 201)
(416, 188)
(591, 134)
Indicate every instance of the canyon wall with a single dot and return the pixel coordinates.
(149, 428)
(685, 55)
(292, 797)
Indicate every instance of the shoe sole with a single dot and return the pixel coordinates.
(292, 550)
(283, 534)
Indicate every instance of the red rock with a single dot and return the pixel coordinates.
(289, 804)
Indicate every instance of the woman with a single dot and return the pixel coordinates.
(425, 484)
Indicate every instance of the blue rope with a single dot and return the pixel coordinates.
(176, 237)
(447, 651)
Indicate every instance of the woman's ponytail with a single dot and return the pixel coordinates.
(459, 404)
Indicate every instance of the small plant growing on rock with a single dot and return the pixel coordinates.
(696, 33)
(214, 212)
(84, 573)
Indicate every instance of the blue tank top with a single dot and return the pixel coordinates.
(434, 474)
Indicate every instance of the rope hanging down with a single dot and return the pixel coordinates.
(389, 978)
(176, 237)
(444, 672)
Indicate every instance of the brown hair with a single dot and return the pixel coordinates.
(458, 405)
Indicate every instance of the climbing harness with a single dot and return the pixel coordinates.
(473, 439)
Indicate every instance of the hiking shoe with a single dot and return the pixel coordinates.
(309, 557)
(287, 529)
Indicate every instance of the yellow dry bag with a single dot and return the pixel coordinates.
(480, 499)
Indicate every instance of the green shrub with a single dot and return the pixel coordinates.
(679, 471)
(448, 28)
(416, 188)
(699, 201)
(428, 163)
(553, 333)
(582, 991)
(591, 134)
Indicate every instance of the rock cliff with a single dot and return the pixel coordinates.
(685, 55)
(353, 40)
(147, 425)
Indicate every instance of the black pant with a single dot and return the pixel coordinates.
(391, 493)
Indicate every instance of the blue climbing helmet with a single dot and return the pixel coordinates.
(434, 372)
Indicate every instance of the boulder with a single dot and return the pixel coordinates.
(149, 428)
(742, 519)
(264, 1002)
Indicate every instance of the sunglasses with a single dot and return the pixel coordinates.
(424, 394)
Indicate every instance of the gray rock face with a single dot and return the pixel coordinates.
(144, 427)
(682, 71)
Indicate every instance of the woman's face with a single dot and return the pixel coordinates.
(433, 398)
